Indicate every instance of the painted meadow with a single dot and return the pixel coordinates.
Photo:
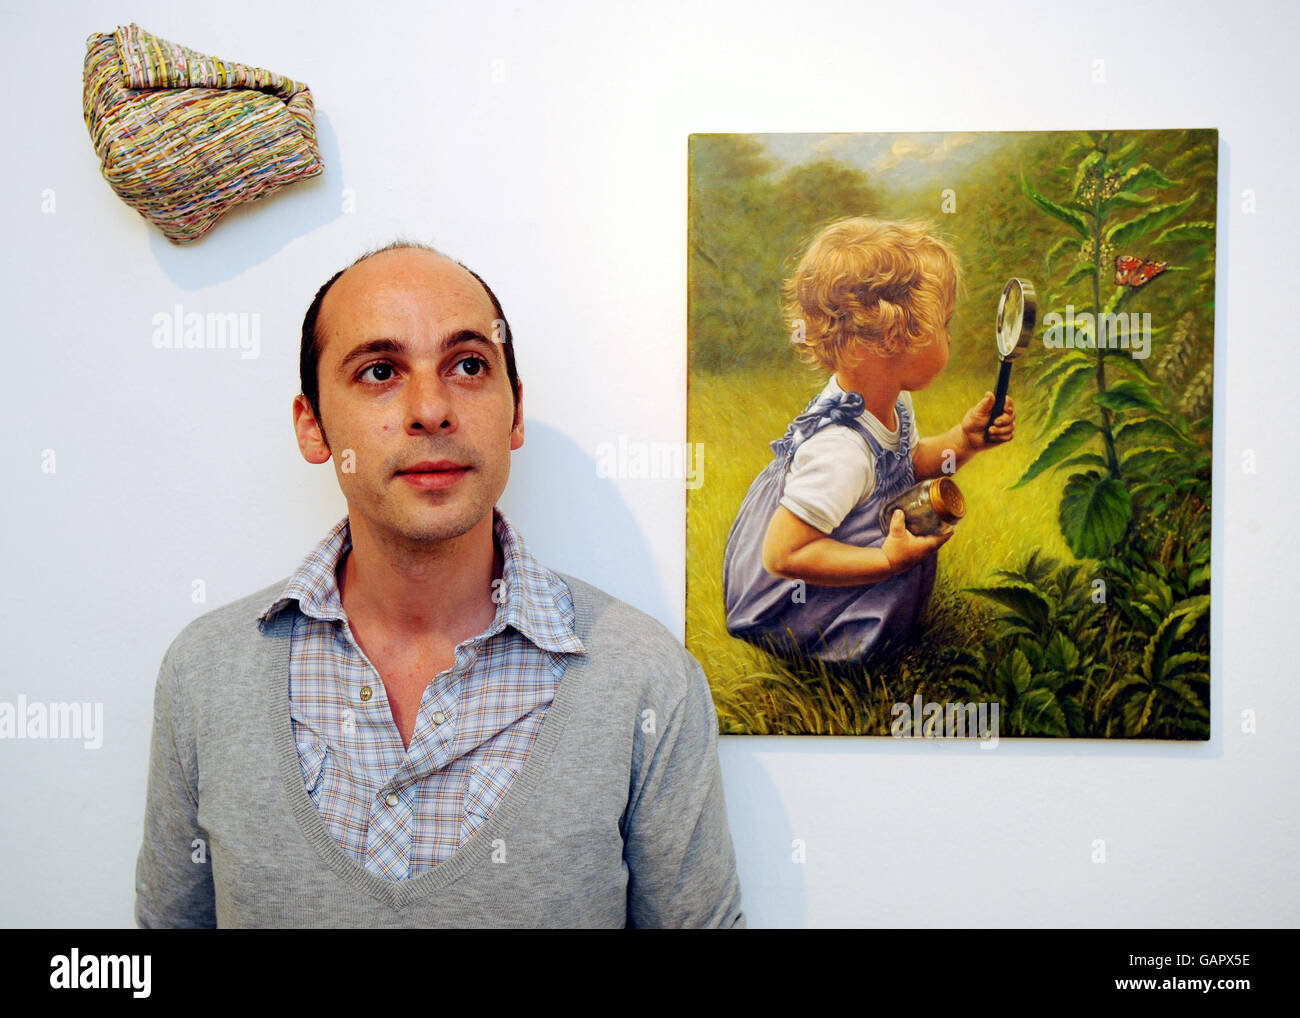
(1075, 592)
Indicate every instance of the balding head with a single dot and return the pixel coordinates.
(399, 264)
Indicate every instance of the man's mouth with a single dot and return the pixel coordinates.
(433, 474)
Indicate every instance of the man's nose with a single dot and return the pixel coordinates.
(428, 403)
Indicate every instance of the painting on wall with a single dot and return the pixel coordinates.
(953, 398)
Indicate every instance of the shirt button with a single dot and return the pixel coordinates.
(439, 717)
(366, 693)
(391, 798)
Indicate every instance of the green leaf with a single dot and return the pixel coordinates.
(1145, 612)
(1041, 714)
(1065, 360)
(1077, 149)
(1135, 721)
(1155, 494)
(1198, 231)
(1012, 676)
(1026, 602)
(1165, 450)
(1124, 359)
(1127, 198)
(1123, 685)
(1155, 591)
(1124, 234)
(1141, 177)
(1193, 608)
(1077, 273)
(1178, 662)
(1009, 627)
(1061, 654)
(1064, 442)
(1189, 696)
(1067, 216)
(1057, 248)
(1094, 514)
(1149, 460)
(1090, 459)
(1120, 157)
(1129, 394)
(1065, 391)
(1147, 429)
(1073, 714)
(1188, 156)
(1156, 662)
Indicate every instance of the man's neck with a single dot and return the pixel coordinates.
(439, 592)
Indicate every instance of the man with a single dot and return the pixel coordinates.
(423, 726)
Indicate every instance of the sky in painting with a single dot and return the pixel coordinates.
(891, 160)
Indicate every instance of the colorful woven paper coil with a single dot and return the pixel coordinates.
(183, 138)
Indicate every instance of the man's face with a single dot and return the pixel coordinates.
(409, 376)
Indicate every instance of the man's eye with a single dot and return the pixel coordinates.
(378, 367)
(473, 365)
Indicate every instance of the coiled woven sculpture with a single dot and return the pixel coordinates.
(183, 138)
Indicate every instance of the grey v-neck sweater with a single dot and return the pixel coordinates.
(617, 817)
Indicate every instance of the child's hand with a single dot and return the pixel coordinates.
(903, 548)
(977, 418)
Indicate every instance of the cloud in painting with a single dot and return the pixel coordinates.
(922, 149)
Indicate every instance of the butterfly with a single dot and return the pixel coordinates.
(1135, 272)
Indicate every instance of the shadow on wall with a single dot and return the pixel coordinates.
(771, 856)
(254, 232)
(576, 522)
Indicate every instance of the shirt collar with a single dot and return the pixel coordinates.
(532, 593)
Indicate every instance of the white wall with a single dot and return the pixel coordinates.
(565, 186)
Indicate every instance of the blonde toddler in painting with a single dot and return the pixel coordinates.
(808, 570)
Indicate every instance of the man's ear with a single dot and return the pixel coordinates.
(311, 436)
(517, 430)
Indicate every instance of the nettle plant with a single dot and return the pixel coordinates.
(1119, 432)
(1138, 498)
(1040, 676)
(1064, 659)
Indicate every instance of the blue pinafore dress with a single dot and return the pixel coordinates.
(839, 624)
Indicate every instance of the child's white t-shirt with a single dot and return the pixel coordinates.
(834, 471)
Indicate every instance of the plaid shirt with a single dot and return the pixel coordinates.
(400, 812)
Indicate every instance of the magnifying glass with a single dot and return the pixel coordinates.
(1017, 316)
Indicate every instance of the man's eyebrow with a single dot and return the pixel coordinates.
(387, 344)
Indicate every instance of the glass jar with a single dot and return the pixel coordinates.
(927, 506)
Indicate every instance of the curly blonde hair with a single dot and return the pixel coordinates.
(870, 284)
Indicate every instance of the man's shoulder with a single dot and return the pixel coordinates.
(601, 612)
(623, 638)
(216, 633)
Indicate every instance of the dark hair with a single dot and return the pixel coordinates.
(309, 351)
